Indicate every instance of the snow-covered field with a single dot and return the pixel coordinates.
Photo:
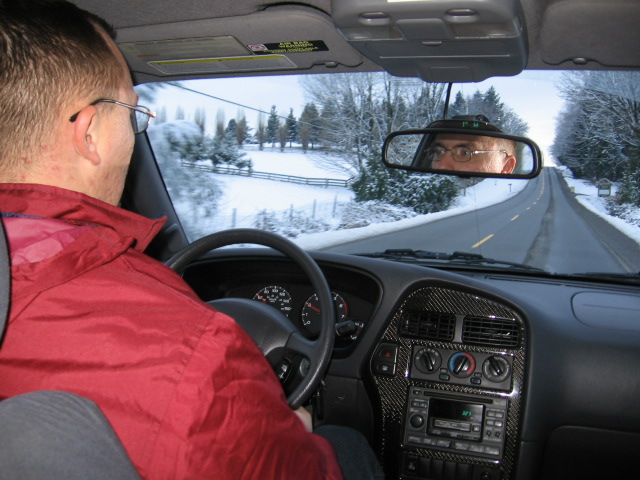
(248, 196)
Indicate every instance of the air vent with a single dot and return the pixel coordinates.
(428, 325)
(493, 332)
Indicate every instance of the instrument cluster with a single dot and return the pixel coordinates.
(300, 304)
(282, 285)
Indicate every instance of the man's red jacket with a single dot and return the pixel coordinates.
(186, 390)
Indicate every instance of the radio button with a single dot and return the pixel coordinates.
(492, 450)
(460, 446)
(443, 444)
(476, 448)
(419, 403)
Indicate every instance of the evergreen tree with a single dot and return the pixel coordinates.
(283, 136)
(220, 150)
(459, 106)
(261, 134)
(422, 193)
(308, 126)
(273, 123)
(329, 137)
(292, 127)
(492, 107)
(232, 128)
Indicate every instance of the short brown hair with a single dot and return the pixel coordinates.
(51, 54)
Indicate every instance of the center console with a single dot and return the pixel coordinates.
(448, 371)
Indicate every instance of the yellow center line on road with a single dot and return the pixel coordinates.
(489, 237)
(482, 241)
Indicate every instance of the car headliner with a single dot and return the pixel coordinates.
(565, 34)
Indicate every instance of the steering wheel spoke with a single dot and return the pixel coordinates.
(301, 345)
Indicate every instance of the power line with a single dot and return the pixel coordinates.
(182, 87)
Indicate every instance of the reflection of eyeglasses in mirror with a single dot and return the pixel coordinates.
(425, 150)
(459, 154)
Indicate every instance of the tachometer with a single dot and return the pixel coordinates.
(275, 296)
(311, 312)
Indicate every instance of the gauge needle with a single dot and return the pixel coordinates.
(261, 298)
(313, 307)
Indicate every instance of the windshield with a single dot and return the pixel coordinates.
(300, 156)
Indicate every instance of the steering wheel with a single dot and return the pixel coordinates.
(284, 346)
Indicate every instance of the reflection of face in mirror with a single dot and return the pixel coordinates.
(471, 153)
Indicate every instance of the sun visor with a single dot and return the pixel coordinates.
(437, 40)
(600, 32)
(252, 43)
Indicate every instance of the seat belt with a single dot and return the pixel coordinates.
(5, 282)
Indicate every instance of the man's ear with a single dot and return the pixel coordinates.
(85, 134)
(509, 164)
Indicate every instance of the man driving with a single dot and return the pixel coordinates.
(186, 390)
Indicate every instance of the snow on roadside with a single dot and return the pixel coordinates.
(487, 192)
(587, 195)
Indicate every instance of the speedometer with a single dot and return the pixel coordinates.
(275, 296)
(310, 316)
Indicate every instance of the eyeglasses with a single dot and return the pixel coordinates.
(140, 116)
(459, 154)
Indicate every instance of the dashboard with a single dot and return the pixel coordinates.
(462, 375)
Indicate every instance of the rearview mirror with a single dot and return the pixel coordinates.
(457, 151)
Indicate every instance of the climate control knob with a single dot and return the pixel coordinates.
(462, 364)
(496, 369)
(427, 360)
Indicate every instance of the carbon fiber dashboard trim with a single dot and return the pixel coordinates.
(393, 390)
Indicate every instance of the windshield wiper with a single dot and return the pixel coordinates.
(628, 277)
(462, 258)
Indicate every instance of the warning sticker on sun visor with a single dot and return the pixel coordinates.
(289, 47)
(227, 64)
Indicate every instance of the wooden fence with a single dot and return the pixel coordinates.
(318, 182)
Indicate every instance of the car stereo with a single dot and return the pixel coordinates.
(458, 423)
